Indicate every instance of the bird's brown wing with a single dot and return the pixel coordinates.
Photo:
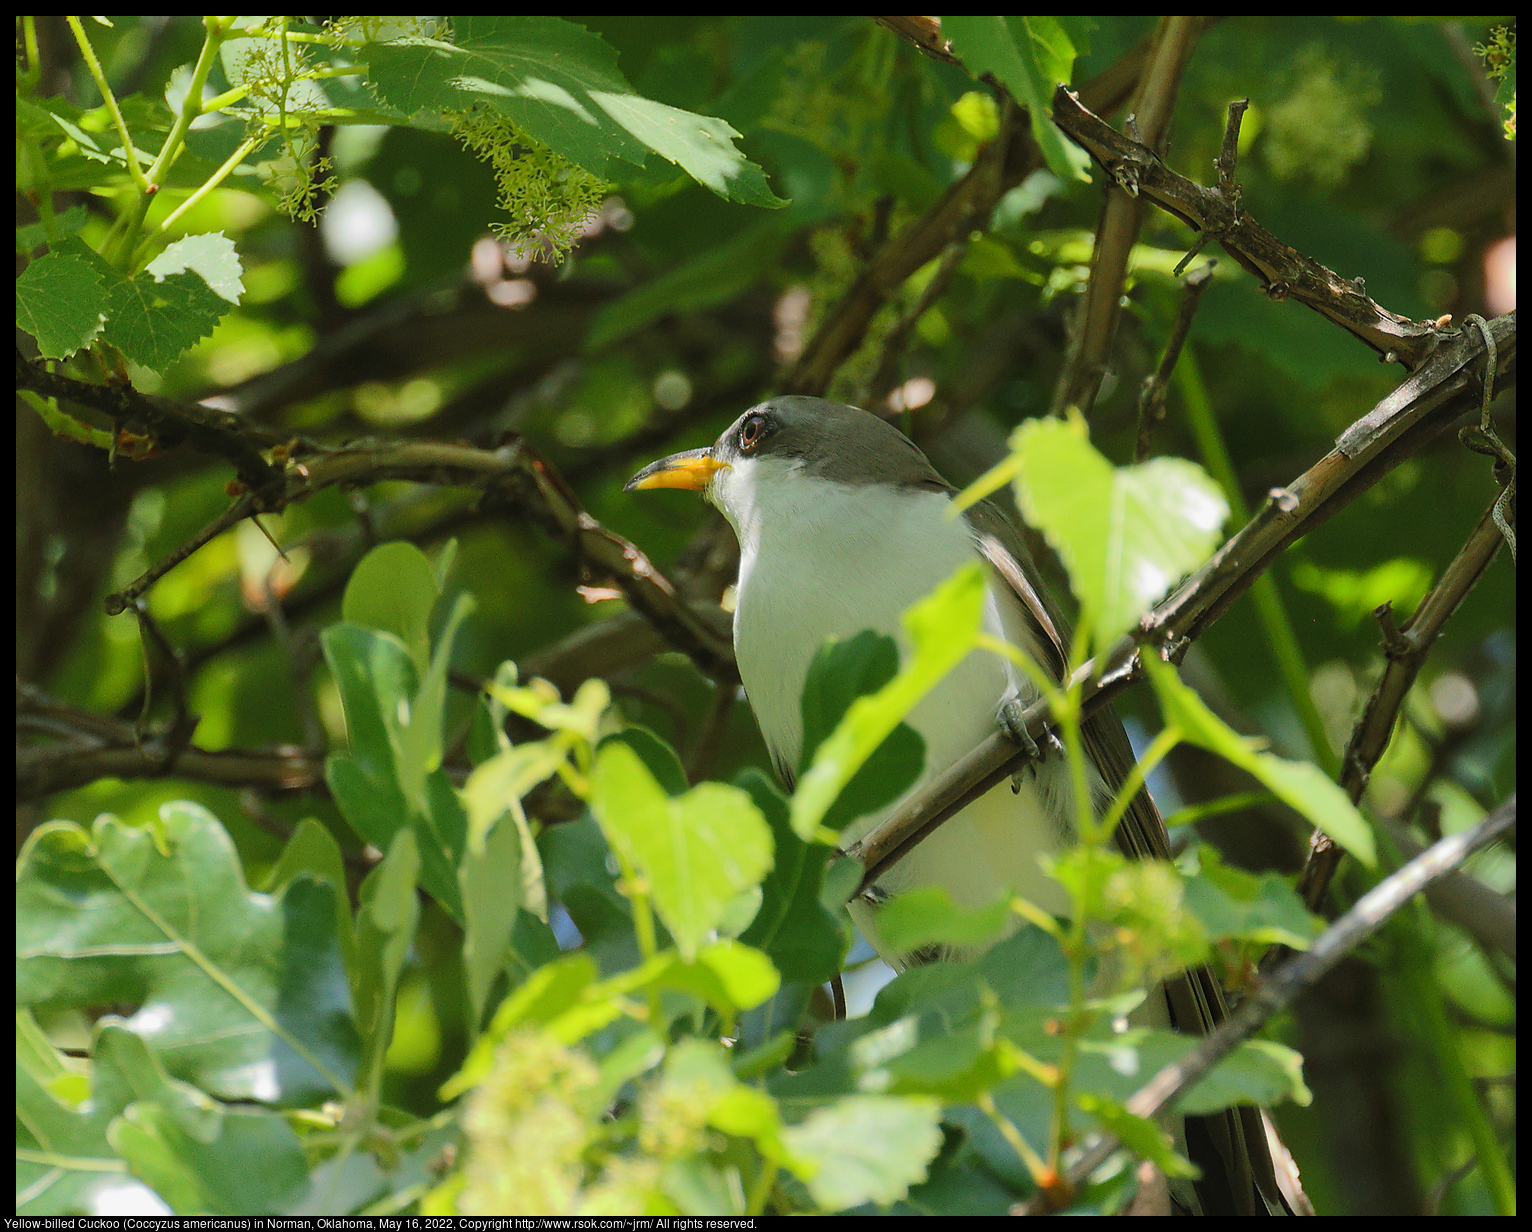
(1230, 1146)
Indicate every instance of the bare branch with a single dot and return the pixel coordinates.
(1283, 271)
(168, 422)
(515, 477)
(92, 746)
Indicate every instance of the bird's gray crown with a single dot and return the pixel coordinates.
(830, 441)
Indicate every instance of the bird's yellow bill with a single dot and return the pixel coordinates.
(690, 470)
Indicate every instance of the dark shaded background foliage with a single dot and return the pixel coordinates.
(1370, 146)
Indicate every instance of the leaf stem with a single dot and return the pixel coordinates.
(88, 54)
(27, 82)
(760, 1191)
(213, 181)
(643, 928)
(1030, 1158)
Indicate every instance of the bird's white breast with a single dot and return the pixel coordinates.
(820, 560)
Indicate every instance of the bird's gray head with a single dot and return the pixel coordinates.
(794, 435)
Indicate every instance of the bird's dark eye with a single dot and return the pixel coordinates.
(752, 432)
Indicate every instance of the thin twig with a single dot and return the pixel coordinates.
(178, 732)
(94, 746)
(1151, 402)
(128, 596)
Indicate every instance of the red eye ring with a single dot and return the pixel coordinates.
(751, 432)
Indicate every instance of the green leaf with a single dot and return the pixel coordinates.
(493, 795)
(1009, 48)
(366, 1181)
(575, 859)
(955, 1067)
(1126, 534)
(560, 84)
(253, 1166)
(312, 850)
(64, 1163)
(841, 672)
(36, 1054)
(539, 701)
(841, 880)
(1027, 971)
(59, 301)
(701, 145)
(393, 588)
(549, 994)
(241, 993)
(70, 222)
(803, 939)
(728, 975)
(943, 628)
(1265, 909)
(1301, 785)
(659, 757)
(1257, 1072)
(376, 678)
(90, 149)
(491, 880)
(867, 1148)
(637, 1054)
(1056, 43)
(419, 738)
(928, 916)
(766, 1058)
(696, 853)
(496, 784)
(484, 738)
(153, 321)
(532, 946)
(697, 1072)
(1140, 1135)
(385, 930)
(213, 258)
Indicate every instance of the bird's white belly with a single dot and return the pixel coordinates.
(861, 559)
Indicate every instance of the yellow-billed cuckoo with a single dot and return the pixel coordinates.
(842, 525)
